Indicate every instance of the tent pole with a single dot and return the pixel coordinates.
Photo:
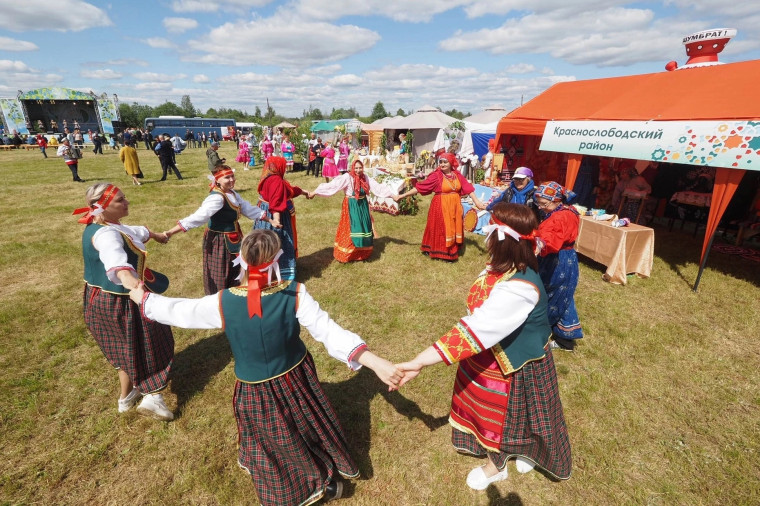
(704, 262)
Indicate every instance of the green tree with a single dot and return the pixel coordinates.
(342, 113)
(312, 113)
(400, 112)
(168, 109)
(188, 110)
(133, 115)
(257, 115)
(456, 114)
(378, 112)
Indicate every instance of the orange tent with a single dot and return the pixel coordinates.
(714, 93)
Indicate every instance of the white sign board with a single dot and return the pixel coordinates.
(732, 144)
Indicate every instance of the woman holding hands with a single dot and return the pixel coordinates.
(290, 439)
(141, 350)
(506, 401)
(220, 211)
(444, 231)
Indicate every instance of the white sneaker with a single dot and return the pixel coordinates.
(127, 402)
(477, 479)
(524, 465)
(153, 405)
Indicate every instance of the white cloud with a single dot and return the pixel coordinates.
(280, 41)
(154, 76)
(179, 25)
(201, 78)
(154, 86)
(61, 15)
(416, 11)
(521, 68)
(182, 6)
(128, 61)
(159, 43)
(101, 74)
(8, 44)
(17, 75)
(13, 66)
(346, 80)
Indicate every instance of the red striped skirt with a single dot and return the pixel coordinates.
(142, 348)
(534, 427)
(345, 250)
(290, 439)
(218, 271)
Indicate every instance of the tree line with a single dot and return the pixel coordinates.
(134, 114)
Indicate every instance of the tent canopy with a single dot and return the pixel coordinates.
(713, 93)
(425, 117)
(490, 114)
(285, 124)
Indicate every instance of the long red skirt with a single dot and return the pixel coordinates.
(434, 237)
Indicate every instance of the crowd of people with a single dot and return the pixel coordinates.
(252, 292)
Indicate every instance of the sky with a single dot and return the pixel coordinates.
(300, 54)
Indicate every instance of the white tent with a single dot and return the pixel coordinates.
(475, 139)
(491, 114)
(424, 124)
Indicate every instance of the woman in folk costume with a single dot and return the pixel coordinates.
(558, 261)
(243, 155)
(354, 238)
(329, 169)
(290, 439)
(266, 148)
(276, 199)
(444, 231)
(141, 350)
(506, 400)
(287, 152)
(343, 151)
(220, 211)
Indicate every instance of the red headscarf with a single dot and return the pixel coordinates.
(274, 166)
(219, 174)
(451, 157)
(359, 182)
(98, 207)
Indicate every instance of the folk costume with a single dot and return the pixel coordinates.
(558, 262)
(243, 155)
(142, 348)
(276, 196)
(354, 238)
(506, 400)
(444, 231)
(266, 148)
(343, 152)
(290, 439)
(288, 149)
(220, 212)
(329, 169)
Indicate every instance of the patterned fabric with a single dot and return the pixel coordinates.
(458, 344)
(287, 236)
(535, 427)
(434, 237)
(360, 221)
(290, 439)
(218, 271)
(144, 349)
(559, 273)
(345, 250)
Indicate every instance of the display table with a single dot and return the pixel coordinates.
(623, 250)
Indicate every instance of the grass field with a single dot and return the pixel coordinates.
(662, 397)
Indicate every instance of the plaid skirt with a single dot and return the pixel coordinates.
(142, 348)
(290, 439)
(218, 271)
(535, 424)
(434, 237)
(559, 273)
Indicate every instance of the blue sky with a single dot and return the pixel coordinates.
(461, 54)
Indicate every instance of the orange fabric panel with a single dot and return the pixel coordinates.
(573, 165)
(726, 182)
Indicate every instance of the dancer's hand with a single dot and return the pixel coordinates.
(384, 369)
(410, 370)
(137, 293)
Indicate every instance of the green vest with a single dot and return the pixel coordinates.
(512, 353)
(226, 218)
(263, 348)
(95, 271)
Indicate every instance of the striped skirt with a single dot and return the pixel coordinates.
(345, 250)
(218, 271)
(142, 348)
(290, 439)
(534, 427)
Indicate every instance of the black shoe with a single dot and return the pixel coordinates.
(333, 490)
(562, 344)
(79, 180)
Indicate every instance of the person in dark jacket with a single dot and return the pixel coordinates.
(165, 152)
(520, 191)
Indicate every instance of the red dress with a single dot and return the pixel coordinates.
(444, 231)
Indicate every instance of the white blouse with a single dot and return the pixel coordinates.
(213, 203)
(345, 182)
(110, 246)
(204, 313)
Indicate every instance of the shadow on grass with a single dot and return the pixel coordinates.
(196, 365)
(351, 400)
(495, 498)
(312, 265)
(379, 245)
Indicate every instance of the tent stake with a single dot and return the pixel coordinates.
(704, 261)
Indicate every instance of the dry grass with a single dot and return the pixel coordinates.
(661, 398)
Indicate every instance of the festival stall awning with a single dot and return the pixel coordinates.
(718, 93)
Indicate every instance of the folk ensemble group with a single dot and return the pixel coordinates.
(505, 402)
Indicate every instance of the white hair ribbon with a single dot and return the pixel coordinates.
(501, 230)
(273, 266)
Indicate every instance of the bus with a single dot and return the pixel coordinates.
(180, 125)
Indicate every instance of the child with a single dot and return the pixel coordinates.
(290, 439)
